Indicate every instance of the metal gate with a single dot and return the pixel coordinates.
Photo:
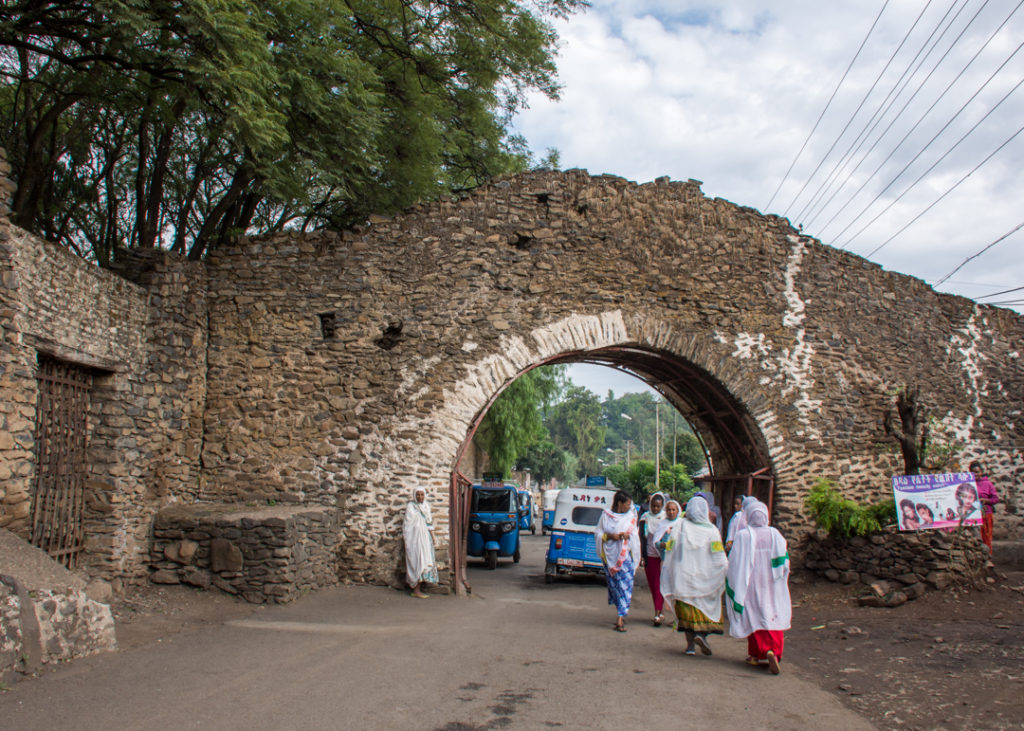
(760, 484)
(58, 490)
(460, 494)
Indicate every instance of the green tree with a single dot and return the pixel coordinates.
(685, 450)
(180, 124)
(575, 425)
(546, 460)
(514, 421)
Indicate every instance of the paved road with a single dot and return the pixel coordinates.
(517, 654)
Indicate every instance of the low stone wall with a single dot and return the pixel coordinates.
(914, 561)
(271, 554)
(46, 613)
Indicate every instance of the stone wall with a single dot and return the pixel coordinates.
(911, 560)
(344, 364)
(145, 343)
(271, 554)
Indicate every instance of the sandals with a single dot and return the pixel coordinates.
(620, 627)
(773, 663)
(658, 619)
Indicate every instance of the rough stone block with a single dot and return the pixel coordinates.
(225, 555)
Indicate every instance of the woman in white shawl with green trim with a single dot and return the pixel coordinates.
(757, 590)
(418, 531)
(693, 575)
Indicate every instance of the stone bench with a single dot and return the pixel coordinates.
(268, 554)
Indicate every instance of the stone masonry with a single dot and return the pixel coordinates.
(336, 370)
(270, 554)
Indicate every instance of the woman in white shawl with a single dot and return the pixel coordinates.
(618, 545)
(650, 522)
(757, 589)
(693, 576)
(738, 521)
(418, 531)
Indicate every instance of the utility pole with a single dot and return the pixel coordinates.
(675, 434)
(628, 442)
(657, 445)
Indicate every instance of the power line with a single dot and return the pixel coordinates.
(948, 191)
(933, 165)
(881, 110)
(918, 123)
(996, 294)
(1014, 230)
(828, 104)
(822, 206)
(860, 106)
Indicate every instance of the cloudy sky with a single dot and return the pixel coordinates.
(727, 92)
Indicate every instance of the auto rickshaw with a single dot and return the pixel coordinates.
(526, 521)
(572, 549)
(548, 518)
(493, 522)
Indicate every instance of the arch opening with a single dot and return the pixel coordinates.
(737, 452)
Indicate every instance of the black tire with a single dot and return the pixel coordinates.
(549, 579)
(492, 560)
(533, 530)
(516, 555)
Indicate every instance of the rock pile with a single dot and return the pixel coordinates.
(270, 554)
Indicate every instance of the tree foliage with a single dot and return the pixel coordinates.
(181, 123)
(514, 421)
(575, 425)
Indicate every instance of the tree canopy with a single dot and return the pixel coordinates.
(180, 123)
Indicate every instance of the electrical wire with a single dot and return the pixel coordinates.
(949, 190)
(1012, 231)
(933, 165)
(828, 104)
(996, 294)
(823, 205)
(941, 96)
(881, 110)
(856, 111)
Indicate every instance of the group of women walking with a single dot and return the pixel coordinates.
(686, 566)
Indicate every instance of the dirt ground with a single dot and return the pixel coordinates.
(949, 660)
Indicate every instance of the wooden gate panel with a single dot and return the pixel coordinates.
(60, 441)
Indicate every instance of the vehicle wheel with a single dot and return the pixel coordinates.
(549, 579)
(492, 560)
(516, 555)
(533, 530)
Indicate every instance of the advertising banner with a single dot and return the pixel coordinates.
(936, 501)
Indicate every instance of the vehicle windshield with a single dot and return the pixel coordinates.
(524, 499)
(492, 501)
(586, 516)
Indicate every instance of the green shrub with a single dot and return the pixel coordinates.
(842, 517)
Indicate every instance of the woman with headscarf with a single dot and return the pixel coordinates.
(418, 531)
(663, 536)
(716, 514)
(989, 498)
(649, 525)
(618, 545)
(693, 576)
(757, 588)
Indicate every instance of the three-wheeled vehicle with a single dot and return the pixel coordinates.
(572, 549)
(548, 519)
(526, 522)
(493, 522)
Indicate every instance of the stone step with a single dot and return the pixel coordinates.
(1008, 554)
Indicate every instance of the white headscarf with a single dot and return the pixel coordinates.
(652, 522)
(613, 553)
(738, 521)
(419, 543)
(694, 569)
(666, 525)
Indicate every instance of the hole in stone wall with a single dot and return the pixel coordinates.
(391, 336)
(522, 241)
(328, 324)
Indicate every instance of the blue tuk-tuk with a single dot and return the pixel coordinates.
(526, 521)
(572, 549)
(548, 519)
(493, 522)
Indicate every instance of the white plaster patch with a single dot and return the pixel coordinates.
(469, 346)
(746, 345)
(966, 342)
(411, 375)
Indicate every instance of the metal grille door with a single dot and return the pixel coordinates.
(61, 427)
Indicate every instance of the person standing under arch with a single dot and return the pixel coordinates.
(418, 531)
(618, 545)
(650, 523)
(757, 588)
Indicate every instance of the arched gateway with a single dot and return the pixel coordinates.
(344, 368)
